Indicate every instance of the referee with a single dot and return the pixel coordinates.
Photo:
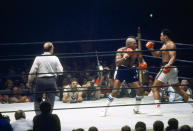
(44, 70)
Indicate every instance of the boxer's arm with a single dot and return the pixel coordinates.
(119, 59)
(172, 54)
(140, 58)
(155, 53)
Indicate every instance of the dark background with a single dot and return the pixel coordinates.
(38, 21)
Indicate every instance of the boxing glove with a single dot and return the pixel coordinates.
(149, 44)
(166, 69)
(142, 66)
(128, 54)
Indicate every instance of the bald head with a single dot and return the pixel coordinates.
(130, 40)
(48, 47)
(131, 43)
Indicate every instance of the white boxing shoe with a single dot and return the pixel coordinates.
(136, 111)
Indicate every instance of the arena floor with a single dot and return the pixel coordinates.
(117, 116)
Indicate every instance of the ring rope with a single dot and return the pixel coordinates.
(89, 107)
(181, 77)
(177, 60)
(83, 71)
(88, 41)
(10, 92)
(107, 53)
(2, 75)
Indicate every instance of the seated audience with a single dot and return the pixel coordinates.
(140, 126)
(185, 128)
(172, 125)
(75, 94)
(126, 128)
(92, 128)
(46, 121)
(21, 124)
(5, 123)
(158, 126)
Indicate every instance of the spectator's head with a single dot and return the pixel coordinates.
(74, 82)
(185, 128)
(172, 123)
(158, 126)
(126, 128)
(45, 107)
(4, 117)
(185, 84)
(9, 84)
(22, 86)
(92, 128)
(140, 126)
(16, 90)
(1, 116)
(1, 98)
(19, 114)
(48, 47)
(79, 129)
(106, 71)
(6, 98)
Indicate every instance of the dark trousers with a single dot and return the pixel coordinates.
(43, 85)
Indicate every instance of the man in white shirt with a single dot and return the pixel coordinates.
(75, 95)
(21, 124)
(173, 96)
(44, 70)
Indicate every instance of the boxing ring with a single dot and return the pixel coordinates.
(116, 118)
(120, 113)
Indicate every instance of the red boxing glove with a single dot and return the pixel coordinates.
(129, 53)
(142, 66)
(166, 69)
(149, 44)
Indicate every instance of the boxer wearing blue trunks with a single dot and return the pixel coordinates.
(126, 72)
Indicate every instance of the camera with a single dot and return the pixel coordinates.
(92, 84)
(73, 100)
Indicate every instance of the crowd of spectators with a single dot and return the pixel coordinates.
(88, 85)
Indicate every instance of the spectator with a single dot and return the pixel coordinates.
(17, 97)
(75, 95)
(1, 99)
(173, 96)
(46, 121)
(158, 126)
(185, 128)
(9, 84)
(5, 99)
(79, 129)
(92, 128)
(21, 124)
(5, 123)
(105, 82)
(91, 93)
(140, 126)
(172, 125)
(126, 128)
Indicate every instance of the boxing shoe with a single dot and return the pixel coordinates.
(109, 101)
(136, 111)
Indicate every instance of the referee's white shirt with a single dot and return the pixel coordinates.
(46, 63)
